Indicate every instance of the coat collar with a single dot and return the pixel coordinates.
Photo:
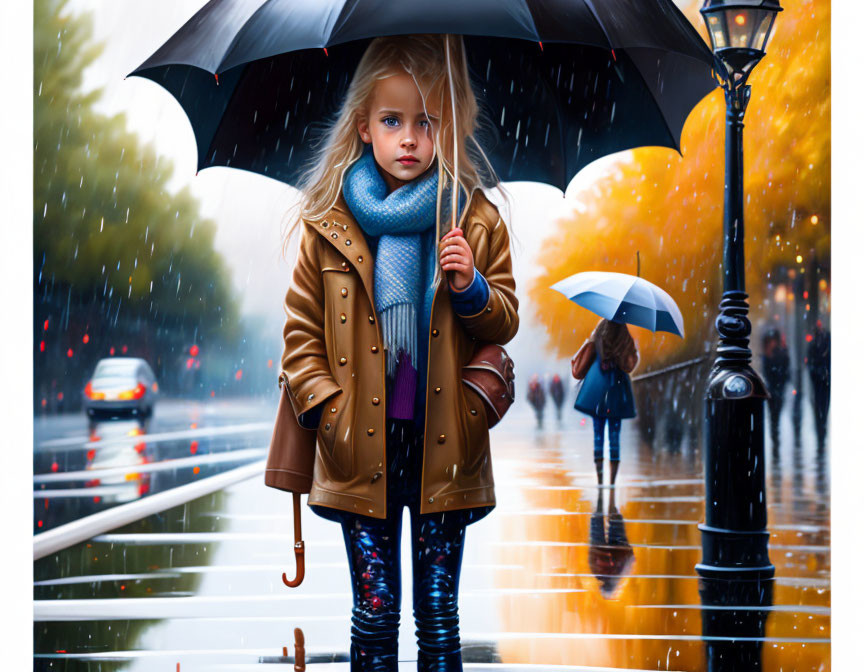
(342, 231)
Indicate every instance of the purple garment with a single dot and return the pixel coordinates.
(400, 404)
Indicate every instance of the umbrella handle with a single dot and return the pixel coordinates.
(299, 651)
(299, 548)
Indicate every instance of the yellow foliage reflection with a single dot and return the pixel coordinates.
(560, 612)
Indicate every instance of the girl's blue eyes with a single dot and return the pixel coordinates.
(393, 122)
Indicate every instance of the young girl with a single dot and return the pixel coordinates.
(606, 393)
(376, 337)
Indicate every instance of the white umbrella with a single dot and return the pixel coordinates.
(624, 298)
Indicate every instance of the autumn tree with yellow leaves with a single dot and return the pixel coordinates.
(670, 207)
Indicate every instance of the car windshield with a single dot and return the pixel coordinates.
(115, 370)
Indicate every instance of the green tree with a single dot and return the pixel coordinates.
(119, 259)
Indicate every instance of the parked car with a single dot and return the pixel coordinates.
(121, 387)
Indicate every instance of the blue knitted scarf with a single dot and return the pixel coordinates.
(403, 279)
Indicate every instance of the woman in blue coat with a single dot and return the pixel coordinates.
(606, 393)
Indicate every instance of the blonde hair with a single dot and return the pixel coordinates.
(438, 65)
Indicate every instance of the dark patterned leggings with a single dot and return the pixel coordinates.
(373, 547)
(614, 438)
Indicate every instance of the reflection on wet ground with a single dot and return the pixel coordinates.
(80, 470)
(561, 574)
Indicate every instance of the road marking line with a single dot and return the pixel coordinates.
(161, 465)
(162, 436)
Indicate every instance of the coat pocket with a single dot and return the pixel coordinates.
(477, 429)
(335, 437)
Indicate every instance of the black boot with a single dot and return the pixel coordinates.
(613, 471)
(439, 662)
(598, 464)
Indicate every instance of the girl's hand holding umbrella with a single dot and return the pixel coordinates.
(455, 255)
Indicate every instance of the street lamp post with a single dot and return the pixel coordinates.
(735, 570)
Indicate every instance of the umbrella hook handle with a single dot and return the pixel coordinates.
(299, 548)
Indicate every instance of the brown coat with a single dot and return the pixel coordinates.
(334, 351)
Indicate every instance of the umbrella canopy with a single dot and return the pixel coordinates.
(560, 82)
(624, 298)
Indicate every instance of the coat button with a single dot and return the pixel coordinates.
(370, 431)
(325, 224)
(343, 318)
(442, 438)
(344, 291)
(360, 259)
(434, 332)
(374, 348)
(489, 309)
(334, 235)
(376, 476)
(375, 401)
(327, 426)
(473, 411)
(344, 227)
(431, 499)
(371, 320)
(343, 361)
(333, 409)
(311, 396)
(437, 390)
(348, 241)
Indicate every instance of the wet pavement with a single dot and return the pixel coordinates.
(80, 470)
(562, 573)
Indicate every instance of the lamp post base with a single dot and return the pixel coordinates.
(736, 574)
(733, 624)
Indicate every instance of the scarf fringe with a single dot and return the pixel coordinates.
(399, 327)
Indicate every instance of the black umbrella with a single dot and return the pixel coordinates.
(560, 82)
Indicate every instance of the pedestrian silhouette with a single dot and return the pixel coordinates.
(775, 370)
(606, 393)
(556, 390)
(819, 367)
(537, 398)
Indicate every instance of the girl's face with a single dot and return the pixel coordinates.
(399, 129)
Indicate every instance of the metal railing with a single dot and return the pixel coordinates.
(672, 368)
(669, 403)
(83, 529)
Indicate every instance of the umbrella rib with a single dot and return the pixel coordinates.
(698, 43)
(633, 283)
(222, 118)
(239, 32)
(695, 38)
(654, 299)
(341, 19)
(675, 143)
(527, 5)
(590, 6)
